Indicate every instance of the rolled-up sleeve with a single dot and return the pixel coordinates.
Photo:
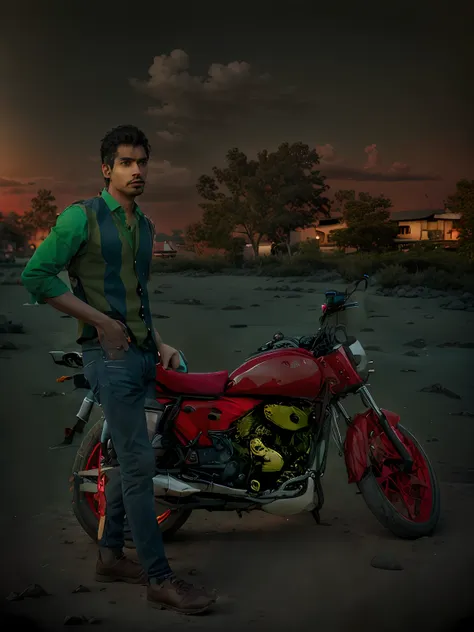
(40, 276)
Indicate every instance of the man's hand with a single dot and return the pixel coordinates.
(169, 357)
(113, 338)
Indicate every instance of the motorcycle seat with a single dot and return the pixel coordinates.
(192, 383)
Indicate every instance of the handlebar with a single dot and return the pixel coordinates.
(338, 301)
(323, 341)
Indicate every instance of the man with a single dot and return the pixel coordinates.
(106, 244)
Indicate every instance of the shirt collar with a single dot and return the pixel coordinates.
(114, 205)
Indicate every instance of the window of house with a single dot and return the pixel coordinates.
(404, 230)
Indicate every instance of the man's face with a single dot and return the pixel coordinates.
(129, 172)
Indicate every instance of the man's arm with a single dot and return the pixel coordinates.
(40, 276)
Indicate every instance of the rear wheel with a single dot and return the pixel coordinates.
(406, 504)
(85, 504)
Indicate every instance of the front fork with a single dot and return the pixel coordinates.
(368, 401)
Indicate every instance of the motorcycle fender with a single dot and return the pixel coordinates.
(356, 444)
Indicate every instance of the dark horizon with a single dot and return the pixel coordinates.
(381, 92)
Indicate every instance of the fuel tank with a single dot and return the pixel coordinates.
(284, 372)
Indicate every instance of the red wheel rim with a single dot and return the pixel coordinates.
(411, 494)
(92, 498)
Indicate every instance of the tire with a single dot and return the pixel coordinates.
(82, 501)
(387, 514)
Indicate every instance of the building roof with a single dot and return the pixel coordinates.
(448, 215)
(406, 216)
(399, 216)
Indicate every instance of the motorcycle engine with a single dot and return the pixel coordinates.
(275, 442)
(263, 449)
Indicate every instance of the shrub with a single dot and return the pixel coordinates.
(213, 264)
(309, 248)
(393, 275)
(353, 266)
(438, 269)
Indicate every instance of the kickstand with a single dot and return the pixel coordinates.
(316, 515)
(69, 434)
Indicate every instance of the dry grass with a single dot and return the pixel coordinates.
(434, 269)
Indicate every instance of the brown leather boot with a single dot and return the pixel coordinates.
(180, 596)
(118, 568)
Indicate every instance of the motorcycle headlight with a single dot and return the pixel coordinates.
(360, 359)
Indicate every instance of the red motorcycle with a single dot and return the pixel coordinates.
(258, 438)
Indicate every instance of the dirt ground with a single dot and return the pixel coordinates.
(271, 572)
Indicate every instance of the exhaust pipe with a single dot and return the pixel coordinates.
(166, 485)
(215, 488)
(163, 484)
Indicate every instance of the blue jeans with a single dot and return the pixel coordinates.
(121, 386)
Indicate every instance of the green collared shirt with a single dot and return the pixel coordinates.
(40, 276)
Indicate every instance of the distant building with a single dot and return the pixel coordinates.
(165, 249)
(441, 226)
(320, 231)
(413, 226)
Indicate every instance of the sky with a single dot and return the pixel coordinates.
(381, 89)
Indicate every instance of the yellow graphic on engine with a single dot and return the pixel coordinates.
(274, 442)
(286, 417)
(272, 461)
(255, 485)
(244, 426)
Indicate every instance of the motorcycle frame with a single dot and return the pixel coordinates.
(239, 500)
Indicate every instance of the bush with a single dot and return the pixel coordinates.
(213, 264)
(353, 266)
(309, 248)
(393, 275)
(436, 279)
(438, 269)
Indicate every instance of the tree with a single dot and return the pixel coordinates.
(273, 195)
(294, 190)
(462, 201)
(195, 238)
(14, 219)
(177, 235)
(368, 222)
(43, 213)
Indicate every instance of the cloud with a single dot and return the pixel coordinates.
(6, 182)
(337, 168)
(400, 167)
(164, 171)
(326, 152)
(169, 137)
(169, 183)
(226, 91)
(372, 157)
(343, 172)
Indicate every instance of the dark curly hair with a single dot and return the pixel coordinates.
(122, 135)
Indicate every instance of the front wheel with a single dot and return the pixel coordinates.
(406, 504)
(85, 504)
